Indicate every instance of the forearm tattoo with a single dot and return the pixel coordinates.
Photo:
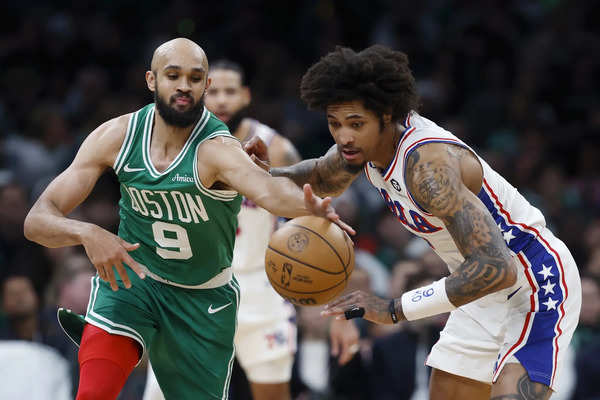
(328, 175)
(436, 185)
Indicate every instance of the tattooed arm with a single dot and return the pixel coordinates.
(435, 176)
(329, 175)
(443, 179)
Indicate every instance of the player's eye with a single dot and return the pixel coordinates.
(357, 125)
(172, 76)
(334, 124)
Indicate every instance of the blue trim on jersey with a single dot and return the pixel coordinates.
(537, 354)
(521, 239)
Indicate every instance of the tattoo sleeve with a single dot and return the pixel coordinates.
(434, 181)
(328, 175)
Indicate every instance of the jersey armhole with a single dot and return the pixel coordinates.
(416, 146)
(126, 145)
(221, 195)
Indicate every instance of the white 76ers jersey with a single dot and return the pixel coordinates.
(496, 194)
(255, 224)
(547, 293)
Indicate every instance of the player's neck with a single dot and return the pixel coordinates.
(169, 136)
(386, 150)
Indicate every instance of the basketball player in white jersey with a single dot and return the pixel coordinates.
(265, 339)
(513, 290)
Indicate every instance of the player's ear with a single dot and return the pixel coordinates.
(151, 81)
(246, 95)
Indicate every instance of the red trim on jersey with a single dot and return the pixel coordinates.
(564, 283)
(411, 130)
(389, 173)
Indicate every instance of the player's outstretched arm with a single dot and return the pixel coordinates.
(328, 175)
(434, 178)
(47, 223)
(224, 160)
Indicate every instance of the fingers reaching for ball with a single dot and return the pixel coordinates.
(323, 208)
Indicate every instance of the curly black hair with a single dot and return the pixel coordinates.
(378, 76)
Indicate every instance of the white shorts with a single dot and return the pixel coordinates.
(265, 339)
(531, 323)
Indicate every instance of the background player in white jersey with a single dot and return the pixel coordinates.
(514, 291)
(265, 338)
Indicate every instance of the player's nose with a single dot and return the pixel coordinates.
(221, 99)
(345, 137)
(184, 85)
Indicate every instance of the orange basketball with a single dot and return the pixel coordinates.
(309, 260)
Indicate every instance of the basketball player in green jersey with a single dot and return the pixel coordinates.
(265, 339)
(180, 172)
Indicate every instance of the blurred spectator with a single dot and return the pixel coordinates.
(46, 377)
(586, 341)
(25, 334)
(403, 374)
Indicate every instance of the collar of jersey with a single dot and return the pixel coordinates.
(147, 137)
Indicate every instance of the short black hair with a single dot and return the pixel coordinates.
(378, 76)
(229, 65)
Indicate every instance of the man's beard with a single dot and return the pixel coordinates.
(180, 119)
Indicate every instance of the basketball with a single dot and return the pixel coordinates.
(309, 260)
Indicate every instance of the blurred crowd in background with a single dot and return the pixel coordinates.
(518, 80)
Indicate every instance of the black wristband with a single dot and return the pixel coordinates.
(393, 314)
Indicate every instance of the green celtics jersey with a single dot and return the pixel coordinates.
(185, 230)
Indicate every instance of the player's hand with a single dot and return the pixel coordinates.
(258, 152)
(323, 208)
(375, 308)
(106, 250)
(344, 340)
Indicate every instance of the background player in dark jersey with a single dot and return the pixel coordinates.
(180, 173)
